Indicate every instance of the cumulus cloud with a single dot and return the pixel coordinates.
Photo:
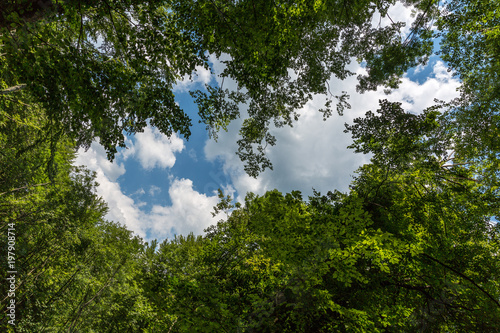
(314, 154)
(417, 97)
(154, 149)
(189, 211)
(95, 159)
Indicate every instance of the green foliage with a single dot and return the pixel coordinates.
(74, 270)
(397, 138)
(282, 53)
(403, 252)
(412, 247)
(435, 176)
(470, 45)
(102, 69)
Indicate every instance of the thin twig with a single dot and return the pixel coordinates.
(81, 24)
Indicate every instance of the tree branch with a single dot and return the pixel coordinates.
(463, 276)
(24, 187)
(13, 89)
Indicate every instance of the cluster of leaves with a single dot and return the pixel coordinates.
(471, 48)
(100, 69)
(282, 53)
(105, 68)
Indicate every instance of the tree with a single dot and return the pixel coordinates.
(104, 68)
(444, 193)
(100, 68)
(403, 251)
(471, 40)
(73, 270)
(282, 53)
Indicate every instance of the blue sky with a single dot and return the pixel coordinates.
(163, 186)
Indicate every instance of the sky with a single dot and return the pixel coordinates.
(161, 186)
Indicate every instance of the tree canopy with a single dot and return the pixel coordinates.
(400, 253)
(103, 69)
(413, 245)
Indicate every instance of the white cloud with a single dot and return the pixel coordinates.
(441, 72)
(154, 149)
(200, 75)
(153, 190)
(442, 86)
(189, 211)
(122, 208)
(314, 154)
(95, 159)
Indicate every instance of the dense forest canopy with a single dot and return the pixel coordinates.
(105, 68)
(413, 246)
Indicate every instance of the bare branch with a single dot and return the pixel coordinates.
(13, 89)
